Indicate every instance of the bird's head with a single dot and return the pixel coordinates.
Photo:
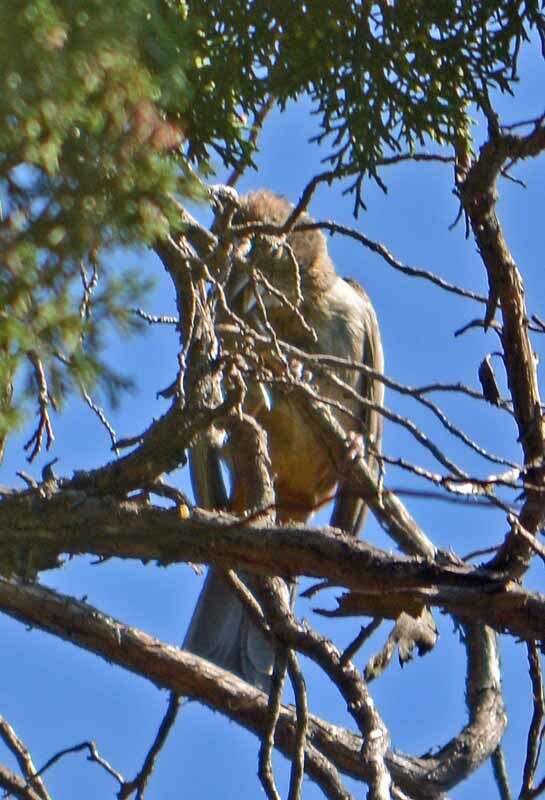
(277, 271)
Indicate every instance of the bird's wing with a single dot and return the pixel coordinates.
(349, 511)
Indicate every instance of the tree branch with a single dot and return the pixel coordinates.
(382, 584)
(24, 759)
(479, 196)
(186, 674)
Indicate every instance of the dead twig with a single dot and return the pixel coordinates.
(499, 768)
(265, 769)
(98, 411)
(297, 773)
(366, 631)
(139, 783)
(44, 427)
(535, 731)
(93, 756)
(155, 319)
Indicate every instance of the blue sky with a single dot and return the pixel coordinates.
(56, 695)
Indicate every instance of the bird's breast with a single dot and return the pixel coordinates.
(304, 474)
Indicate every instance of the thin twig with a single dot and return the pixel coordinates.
(139, 783)
(471, 486)
(366, 631)
(330, 780)
(34, 444)
(248, 600)
(289, 381)
(382, 250)
(155, 319)
(261, 278)
(346, 678)
(98, 411)
(129, 441)
(401, 157)
(265, 768)
(89, 286)
(444, 420)
(336, 228)
(456, 499)
(535, 731)
(297, 773)
(404, 422)
(501, 777)
(534, 121)
(94, 755)
(479, 323)
(163, 489)
(484, 551)
(531, 540)
(416, 393)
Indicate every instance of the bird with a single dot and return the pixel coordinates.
(312, 308)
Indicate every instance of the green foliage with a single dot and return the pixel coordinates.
(91, 106)
(382, 75)
(62, 320)
(104, 105)
(82, 112)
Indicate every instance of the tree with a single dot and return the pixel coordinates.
(110, 120)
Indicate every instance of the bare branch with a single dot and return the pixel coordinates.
(89, 285)
(477, 491)
(345, 676)
(365, 633)
(24, 759)
(186, 674)
(416, 157)
(44, 427)
(320, 361)
(301, 708)
(479, 323)
(163, 489)
(479, 196)
(331, 783)
(265, 770)
(16, 786)
(139, 783)
(499, 768)
(94, 756)
(155, 319)
(421, 437)
(102, 417)
(72, 523)
(535, 731)
(382, 250)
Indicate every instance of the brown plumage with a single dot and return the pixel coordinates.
(305, 476)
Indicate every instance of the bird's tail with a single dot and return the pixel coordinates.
(222, 632)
